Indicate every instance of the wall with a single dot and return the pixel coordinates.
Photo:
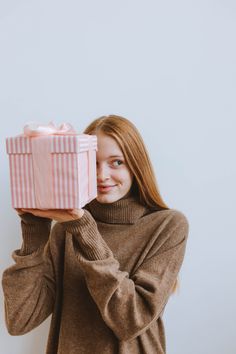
(169, 67)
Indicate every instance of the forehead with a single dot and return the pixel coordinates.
(107, 147)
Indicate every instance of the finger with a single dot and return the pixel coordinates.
(32, 211)
(19, 211)
(37, 212)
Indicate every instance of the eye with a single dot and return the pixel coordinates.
(120, 162)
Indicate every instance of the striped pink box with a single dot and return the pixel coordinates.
(53, 171)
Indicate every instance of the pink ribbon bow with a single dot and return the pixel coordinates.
(33, 129)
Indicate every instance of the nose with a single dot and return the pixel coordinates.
(102, 173)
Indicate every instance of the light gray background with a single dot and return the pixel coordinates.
(169, 67)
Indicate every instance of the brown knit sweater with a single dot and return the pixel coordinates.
(105, 278)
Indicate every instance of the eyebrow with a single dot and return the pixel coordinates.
(115, 156)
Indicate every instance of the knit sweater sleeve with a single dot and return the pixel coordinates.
(129, 303)
(35, 233)
(29, 284)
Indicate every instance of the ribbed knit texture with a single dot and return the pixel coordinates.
(35, 233)
(106, 277)
(85, 237)
(117, 212)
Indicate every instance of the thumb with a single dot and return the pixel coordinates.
(19, 211)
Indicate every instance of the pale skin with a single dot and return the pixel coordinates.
(59, 215)
(111, 170)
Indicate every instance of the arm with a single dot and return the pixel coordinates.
(130, 303)
(29, 285)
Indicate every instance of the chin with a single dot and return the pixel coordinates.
(106, 198)
(109, 198)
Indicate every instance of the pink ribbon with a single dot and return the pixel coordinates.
(33, 129)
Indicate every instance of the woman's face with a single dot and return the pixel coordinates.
(112, 170)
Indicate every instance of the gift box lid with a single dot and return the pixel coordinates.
(56, 143)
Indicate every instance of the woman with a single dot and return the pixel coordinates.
(104, 272)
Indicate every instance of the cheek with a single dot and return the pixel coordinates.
(126, 176)
(122, 176)
(119, 176)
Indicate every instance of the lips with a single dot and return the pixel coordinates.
(105, 188)
(101, 186)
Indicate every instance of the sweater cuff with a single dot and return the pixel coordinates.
(29, 218)
(87, 237)
(35, 233)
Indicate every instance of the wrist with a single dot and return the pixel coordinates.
(78, 214)
(73, 215)
(77, 226)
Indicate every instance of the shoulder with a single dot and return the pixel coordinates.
(172, 216)
(169, 222)
(176, 217)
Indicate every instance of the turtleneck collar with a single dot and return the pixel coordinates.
(126, 210)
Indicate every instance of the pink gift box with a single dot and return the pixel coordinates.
(52, 171)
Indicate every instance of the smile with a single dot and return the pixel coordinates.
(105, 189)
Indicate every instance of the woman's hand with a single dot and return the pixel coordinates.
(19, 211)
(60, 215)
